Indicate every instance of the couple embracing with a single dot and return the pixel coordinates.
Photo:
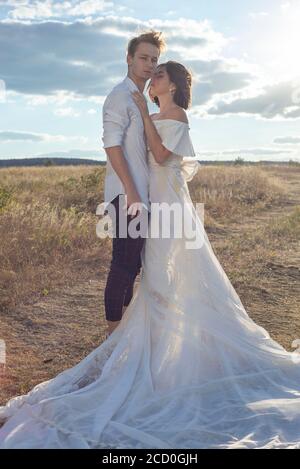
(143, 153)
(184, 366)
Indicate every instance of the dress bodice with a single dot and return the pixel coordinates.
(175, 137)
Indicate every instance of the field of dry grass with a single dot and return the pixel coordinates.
(53, 266)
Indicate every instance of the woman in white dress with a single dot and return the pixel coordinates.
(186, 367)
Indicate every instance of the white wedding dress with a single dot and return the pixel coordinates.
(185, 368)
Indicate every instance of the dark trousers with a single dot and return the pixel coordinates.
(124, 267)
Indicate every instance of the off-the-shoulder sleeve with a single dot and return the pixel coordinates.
(176, 138)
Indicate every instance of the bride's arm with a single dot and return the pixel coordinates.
(159, 152)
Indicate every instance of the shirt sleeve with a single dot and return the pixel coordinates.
(115, 119)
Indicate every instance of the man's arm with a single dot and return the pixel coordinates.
(119, 164)
(115, 122)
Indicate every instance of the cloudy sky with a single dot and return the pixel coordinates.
(59, 59)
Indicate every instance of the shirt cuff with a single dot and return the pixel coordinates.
(112, 141)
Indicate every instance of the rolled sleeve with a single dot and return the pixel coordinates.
(115, 120)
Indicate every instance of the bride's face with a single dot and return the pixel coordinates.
(160, 83)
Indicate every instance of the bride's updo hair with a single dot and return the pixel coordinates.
(182, 78)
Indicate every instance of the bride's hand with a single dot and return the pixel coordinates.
(141, 103)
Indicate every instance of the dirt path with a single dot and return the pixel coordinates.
(272, 299)
(56, 332)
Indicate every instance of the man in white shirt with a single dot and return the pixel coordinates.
(127, 169)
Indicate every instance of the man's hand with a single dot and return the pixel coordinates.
(119, 164)
(133, 203)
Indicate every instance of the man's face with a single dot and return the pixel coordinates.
(145, 60)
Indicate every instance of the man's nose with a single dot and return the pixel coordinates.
(152, 65)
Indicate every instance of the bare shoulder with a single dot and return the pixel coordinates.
(178, 114)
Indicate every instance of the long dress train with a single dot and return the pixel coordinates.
(186, 367)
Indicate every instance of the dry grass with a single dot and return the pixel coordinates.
(53, 266)
(48, 219)
(231, 193)
(47, 226)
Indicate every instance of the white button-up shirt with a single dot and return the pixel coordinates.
(123, 125)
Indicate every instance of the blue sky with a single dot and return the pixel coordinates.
(59, 59)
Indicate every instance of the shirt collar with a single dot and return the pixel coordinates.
(130, 84)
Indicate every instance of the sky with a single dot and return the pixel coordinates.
(59, 60)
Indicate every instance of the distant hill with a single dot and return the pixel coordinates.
(40, 161)
(48, 162)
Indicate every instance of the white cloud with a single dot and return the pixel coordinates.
(256, 151)
(89, 7)
(285, 6)
(56, 62)
(58, 98)
(171, 12)
(66, 112)
(258, 15)
(86, 61)
(7, 136)
(38, 9)
(92, 153)
(37, 100)
(250, 154)
(273, 102)
(2, 91)
(14, 3)
(287, 140)
(12, 136)
(96, 99)
(84, 58)
(192, 39)
(92, 111)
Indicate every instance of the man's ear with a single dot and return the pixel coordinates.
(128, 59)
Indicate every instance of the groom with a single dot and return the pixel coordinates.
(127, 169)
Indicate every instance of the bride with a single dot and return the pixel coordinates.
(186, 367)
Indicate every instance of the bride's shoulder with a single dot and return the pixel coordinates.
(178, 114)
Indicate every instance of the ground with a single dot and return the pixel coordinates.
(46, 334)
